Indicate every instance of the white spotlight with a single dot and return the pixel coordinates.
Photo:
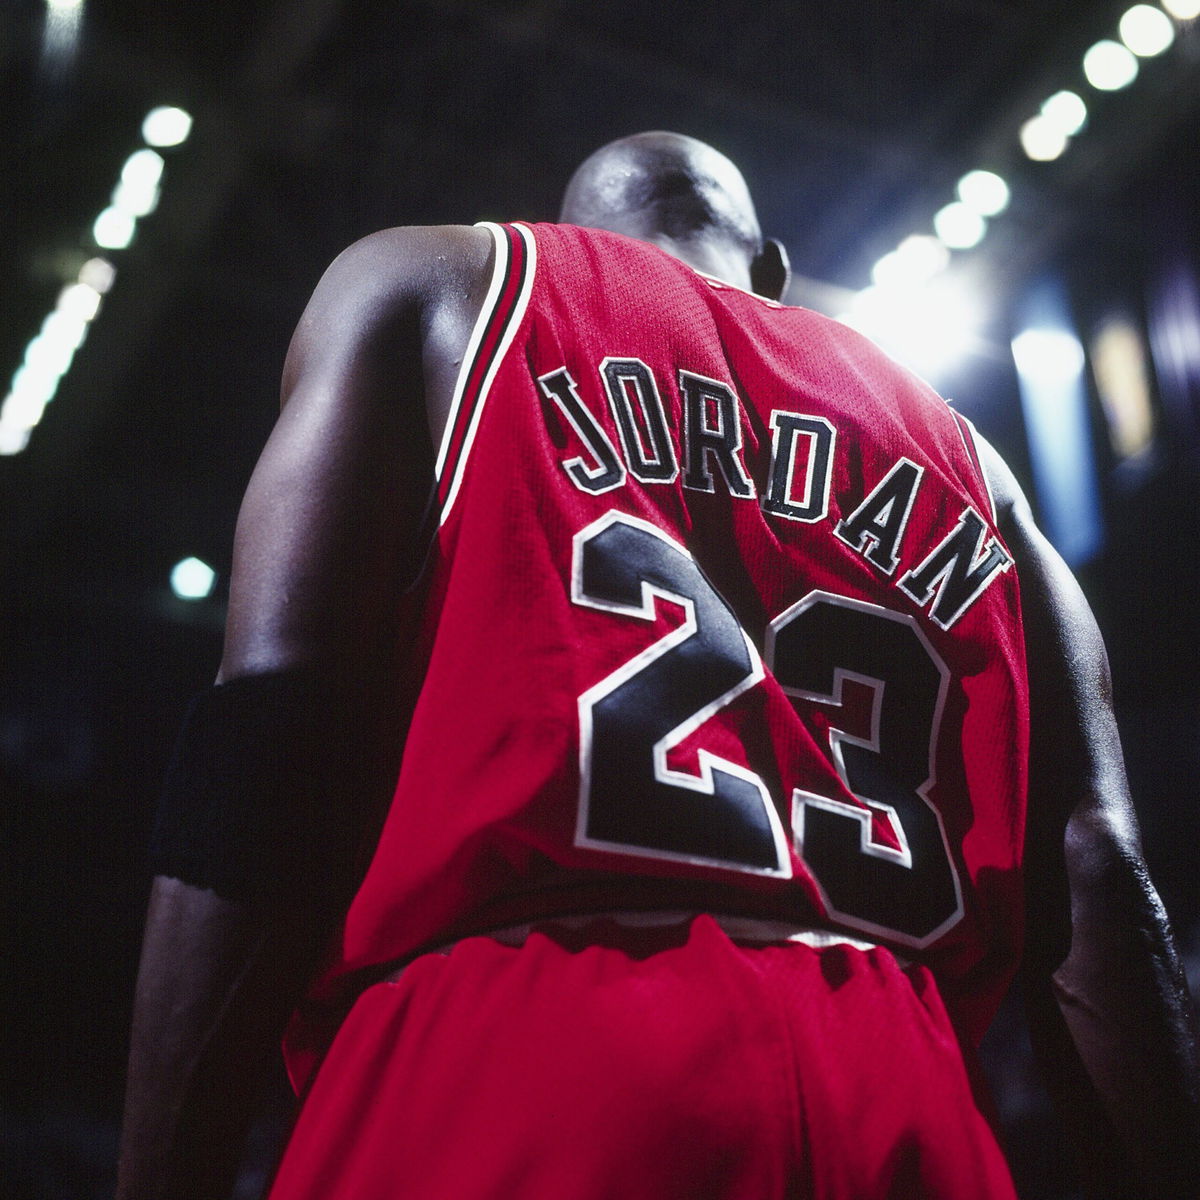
(915, 261)
(1066, 111)
(166, 126)
(97, 274)
(1042, 140)
(192, 579)
(49, 356)
(13, 438)
(137, 191)
(1182, 10)
(64, 328)
(927, 327)
(1146, 31)
(113, 229)
(80, 301)
(1109, 66)
(958, 226)
(134, 200)
(142, 169)
(25, 404)
(983, 191)
(1048, 355)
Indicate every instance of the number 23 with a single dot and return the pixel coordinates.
(632, 801)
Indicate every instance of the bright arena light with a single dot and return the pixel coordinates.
(928, 328)
(1042, 139)
(49, 356)
(1146, 31)
(14, 436)
(166, 126)
(137, 191)
(192, 579)
(958, 226)
(113, 229)
(79, 300)
(97, 274)
(1182, 10)
(984, 192)
(64, 329)
(60, 33)
(1109, 66)
(915, 261)
(143, 169)
(27, 401)
(1048, 355)
(1066, 111)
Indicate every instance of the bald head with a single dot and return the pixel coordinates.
(674, 191)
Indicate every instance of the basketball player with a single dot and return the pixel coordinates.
(723, 660)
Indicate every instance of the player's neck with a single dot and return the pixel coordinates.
(708, 257)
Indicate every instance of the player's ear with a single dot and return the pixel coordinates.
(770, 271)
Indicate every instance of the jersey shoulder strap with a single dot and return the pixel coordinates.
(513, 269)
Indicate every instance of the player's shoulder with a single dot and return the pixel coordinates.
(411, 259)
(405, 278)
(395, 274)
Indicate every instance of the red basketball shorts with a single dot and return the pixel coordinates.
(669, 1063)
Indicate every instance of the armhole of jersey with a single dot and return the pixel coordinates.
(967, 431)
(503, 307)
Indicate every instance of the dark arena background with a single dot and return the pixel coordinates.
(1004, 193)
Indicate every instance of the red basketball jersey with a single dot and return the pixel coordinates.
(717, 617)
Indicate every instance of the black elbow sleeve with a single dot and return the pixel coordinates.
(275, 789)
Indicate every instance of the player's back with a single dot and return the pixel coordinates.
(716, 618)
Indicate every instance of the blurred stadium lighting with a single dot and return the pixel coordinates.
(26, 402)
(64, 329)
(98, 274)
(137, 191)
(48, 356)
(927, 327)
(1122, 375)
(1146, 30)
(22, 409)
(1066, 111)
(80, 301)
(1182, 10)
(166, 126)
(1047, 355)
(1042, 138)
(50, 353)
(113, 229)
(1050, 375)
(958, 226)
(192, 579)
(915, 261)
(1109, 66)
(14, 434)
(984, 192)
(60, 33)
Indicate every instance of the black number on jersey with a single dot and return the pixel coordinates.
(909, 892)
(631, 799)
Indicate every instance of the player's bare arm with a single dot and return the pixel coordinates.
(327, 539)
(1109, 1008)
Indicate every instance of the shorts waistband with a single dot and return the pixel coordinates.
(752, 930)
